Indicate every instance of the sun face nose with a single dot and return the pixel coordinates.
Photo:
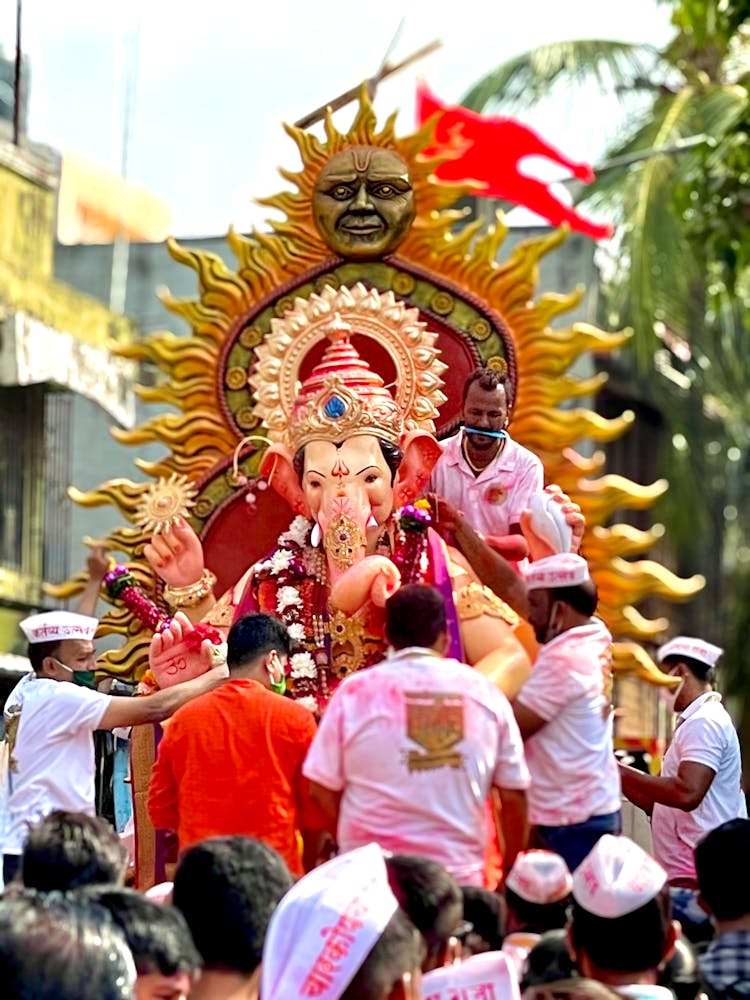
(362, 200)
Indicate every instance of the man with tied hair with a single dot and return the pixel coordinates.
(483, 471)
(408, 751)
(230, 762)
(53, 718)
(700, 782)
(621, 929)
(564, 712)
(67, 850)
(339, 934)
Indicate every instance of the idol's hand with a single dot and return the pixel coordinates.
(176, 555)
(173, 658)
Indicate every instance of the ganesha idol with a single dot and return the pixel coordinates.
(350, 458)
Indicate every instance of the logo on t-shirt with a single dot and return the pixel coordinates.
(436, 722)
(495, 493)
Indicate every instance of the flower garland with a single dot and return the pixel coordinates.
(289, 567)
(298, 594)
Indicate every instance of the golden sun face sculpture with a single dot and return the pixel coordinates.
(355, 216)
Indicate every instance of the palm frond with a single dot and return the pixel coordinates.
(519, 83)
(658, 271)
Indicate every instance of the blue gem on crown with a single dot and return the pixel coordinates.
(334, 408)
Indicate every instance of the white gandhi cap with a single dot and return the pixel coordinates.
(695, 649)
(54, 626)
(563, 570)
(616, 877)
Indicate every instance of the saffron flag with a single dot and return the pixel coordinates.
(486, 153)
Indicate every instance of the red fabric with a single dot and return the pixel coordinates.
(230, 762)
(486, 151)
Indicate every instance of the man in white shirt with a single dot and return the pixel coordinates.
(564, 712)
(53, 718)
(409, 751)
(699, 787)
(482, 470)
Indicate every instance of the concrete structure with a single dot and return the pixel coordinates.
(54, 348)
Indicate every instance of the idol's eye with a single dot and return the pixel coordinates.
(384, 191)
(372, 477)
(341, 192)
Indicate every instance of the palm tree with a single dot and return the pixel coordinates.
(676, 183)
(692, 96)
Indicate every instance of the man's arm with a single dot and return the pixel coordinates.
(528, 722)
(97, 565)
(328, 801)
(489, 565)
(513, 824)
(685, 790)
(159, 706)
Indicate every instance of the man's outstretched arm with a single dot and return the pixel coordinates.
(685, 790)
(490, 566)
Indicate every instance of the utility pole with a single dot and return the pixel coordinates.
(386, 69)
(17, 80)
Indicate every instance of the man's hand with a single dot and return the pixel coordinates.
(97, 562)
(446, 518)
(176, 555)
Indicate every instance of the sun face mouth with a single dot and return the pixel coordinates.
(362, 225)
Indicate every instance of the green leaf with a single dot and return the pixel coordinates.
(520, 83)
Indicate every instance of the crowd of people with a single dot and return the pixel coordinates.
(366, 925)
(428, 837)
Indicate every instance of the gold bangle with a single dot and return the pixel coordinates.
(193, 594)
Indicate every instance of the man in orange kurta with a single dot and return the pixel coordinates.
(231, 763)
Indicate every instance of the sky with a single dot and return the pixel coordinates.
(209, 93)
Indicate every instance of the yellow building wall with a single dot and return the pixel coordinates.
(95, 205)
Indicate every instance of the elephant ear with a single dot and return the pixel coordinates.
(421, 452)
(277, 466)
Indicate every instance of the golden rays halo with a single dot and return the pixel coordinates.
(207, 373)
(164, 503)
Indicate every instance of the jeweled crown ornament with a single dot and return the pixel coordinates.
(343, 396)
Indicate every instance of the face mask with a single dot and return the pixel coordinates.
(553, 629)
(279, 686)
(84, 678)
(670, 697)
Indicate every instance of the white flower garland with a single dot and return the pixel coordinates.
(291, 545)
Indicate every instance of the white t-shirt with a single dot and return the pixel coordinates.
(705, 734)
(573, 769)
(495, 499)
(415, 744)
(53, 754)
